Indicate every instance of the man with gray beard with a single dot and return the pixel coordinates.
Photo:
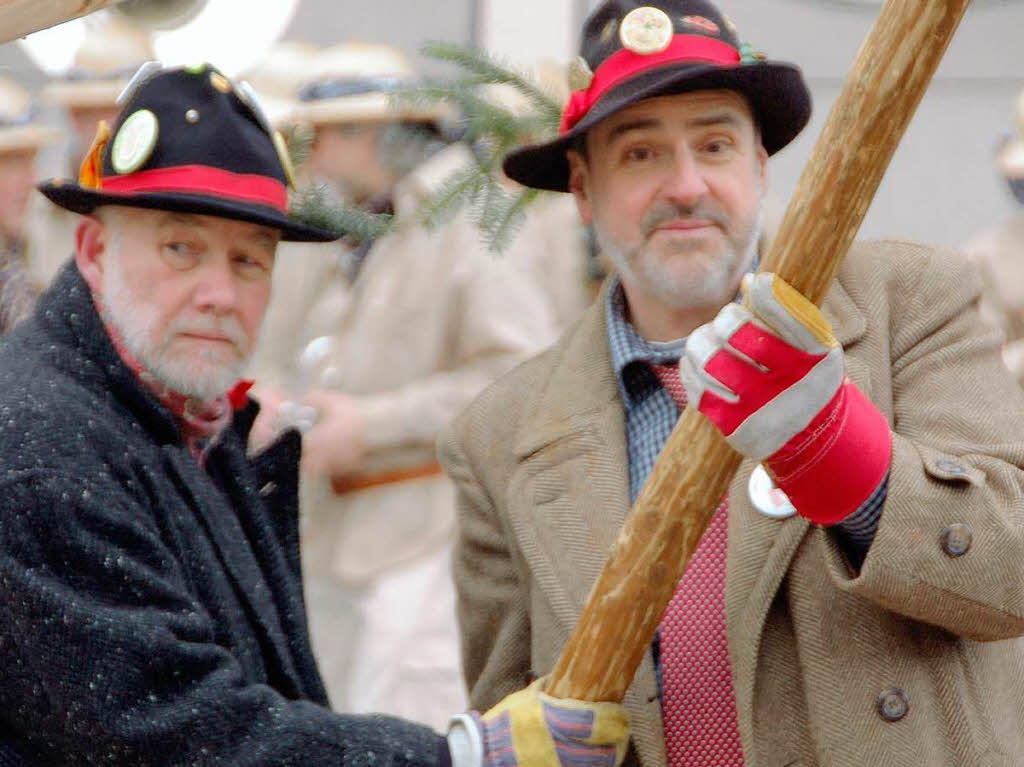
(842, 605)
(153, 611)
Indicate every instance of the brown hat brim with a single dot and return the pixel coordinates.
(776, 92)
(79, 199)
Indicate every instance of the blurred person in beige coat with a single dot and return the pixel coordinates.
(999, 252)
(110, 53)
(858, 598)
(22, 135)
(401, 336)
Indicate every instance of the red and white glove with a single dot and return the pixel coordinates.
(771, 377)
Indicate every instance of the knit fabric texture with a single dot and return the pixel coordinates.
(698, 703)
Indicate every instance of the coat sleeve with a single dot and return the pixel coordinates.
(108, 659)
(950, 543)
(493, 603)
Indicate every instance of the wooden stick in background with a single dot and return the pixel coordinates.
(22, 17)
(881, 92)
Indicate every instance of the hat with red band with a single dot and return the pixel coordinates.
(633, 51)
(191, 141)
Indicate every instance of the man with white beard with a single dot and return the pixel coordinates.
(152, 610)
(842, 606)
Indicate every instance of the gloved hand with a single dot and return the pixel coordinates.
(771, 377)
(531, 729)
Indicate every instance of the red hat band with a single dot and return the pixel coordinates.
(203, 180)
(624, 64)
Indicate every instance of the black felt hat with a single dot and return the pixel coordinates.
(634, 50)
(189, 140)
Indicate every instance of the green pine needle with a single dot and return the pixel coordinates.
(499, 229)
(311, 205)
(299, 141)
(488, 68)
(462, 189)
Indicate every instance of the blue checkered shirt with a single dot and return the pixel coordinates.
(651, 415)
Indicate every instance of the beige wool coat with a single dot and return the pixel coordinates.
(541, 469)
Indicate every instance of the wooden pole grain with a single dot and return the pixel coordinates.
(887, 81)
(22, 17)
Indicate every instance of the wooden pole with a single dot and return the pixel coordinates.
(692, 474)
(22, 17)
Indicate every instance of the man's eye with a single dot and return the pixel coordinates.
(180, 253)
(719, 146)
(251, 267)
(639, 154)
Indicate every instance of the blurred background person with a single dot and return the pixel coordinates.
(317, 275)
(21, 137)
(551, 246)
(999, 252)
(405, 331)
(111, 52)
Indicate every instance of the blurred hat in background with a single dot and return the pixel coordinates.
(352, 82)
(103, 64)
(19, 127)
(279, 76)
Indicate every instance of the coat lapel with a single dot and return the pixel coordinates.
(761, 548)
(572, 491)
(224, 528)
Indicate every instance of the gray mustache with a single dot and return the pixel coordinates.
(661, 212)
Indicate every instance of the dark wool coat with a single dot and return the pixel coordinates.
(151, 612)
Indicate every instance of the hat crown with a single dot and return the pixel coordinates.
(201, 119)
(603, 29)
(362, 61)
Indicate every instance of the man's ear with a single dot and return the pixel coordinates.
(762, 164)
(91, 240)
(579, 180)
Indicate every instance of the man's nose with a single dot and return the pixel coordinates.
(684, 182)
(217, 290)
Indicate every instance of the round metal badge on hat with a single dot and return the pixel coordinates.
(766, 497)
(646, 30)
(135, 141)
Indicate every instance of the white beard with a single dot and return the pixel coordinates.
(206, 375)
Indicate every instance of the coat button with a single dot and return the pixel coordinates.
(951, 467)
(956, 540)
(893, 705)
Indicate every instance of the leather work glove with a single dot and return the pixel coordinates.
(771, 376)
(531, 729)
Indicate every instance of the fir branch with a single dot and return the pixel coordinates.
(488, 68)
(298, 139)
(462, 189)
(311, 205)
(500, 228)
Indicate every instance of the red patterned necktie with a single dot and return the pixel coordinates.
(698, 703)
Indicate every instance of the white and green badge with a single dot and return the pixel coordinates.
(135, 141)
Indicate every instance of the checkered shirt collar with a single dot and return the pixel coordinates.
(627, 346)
